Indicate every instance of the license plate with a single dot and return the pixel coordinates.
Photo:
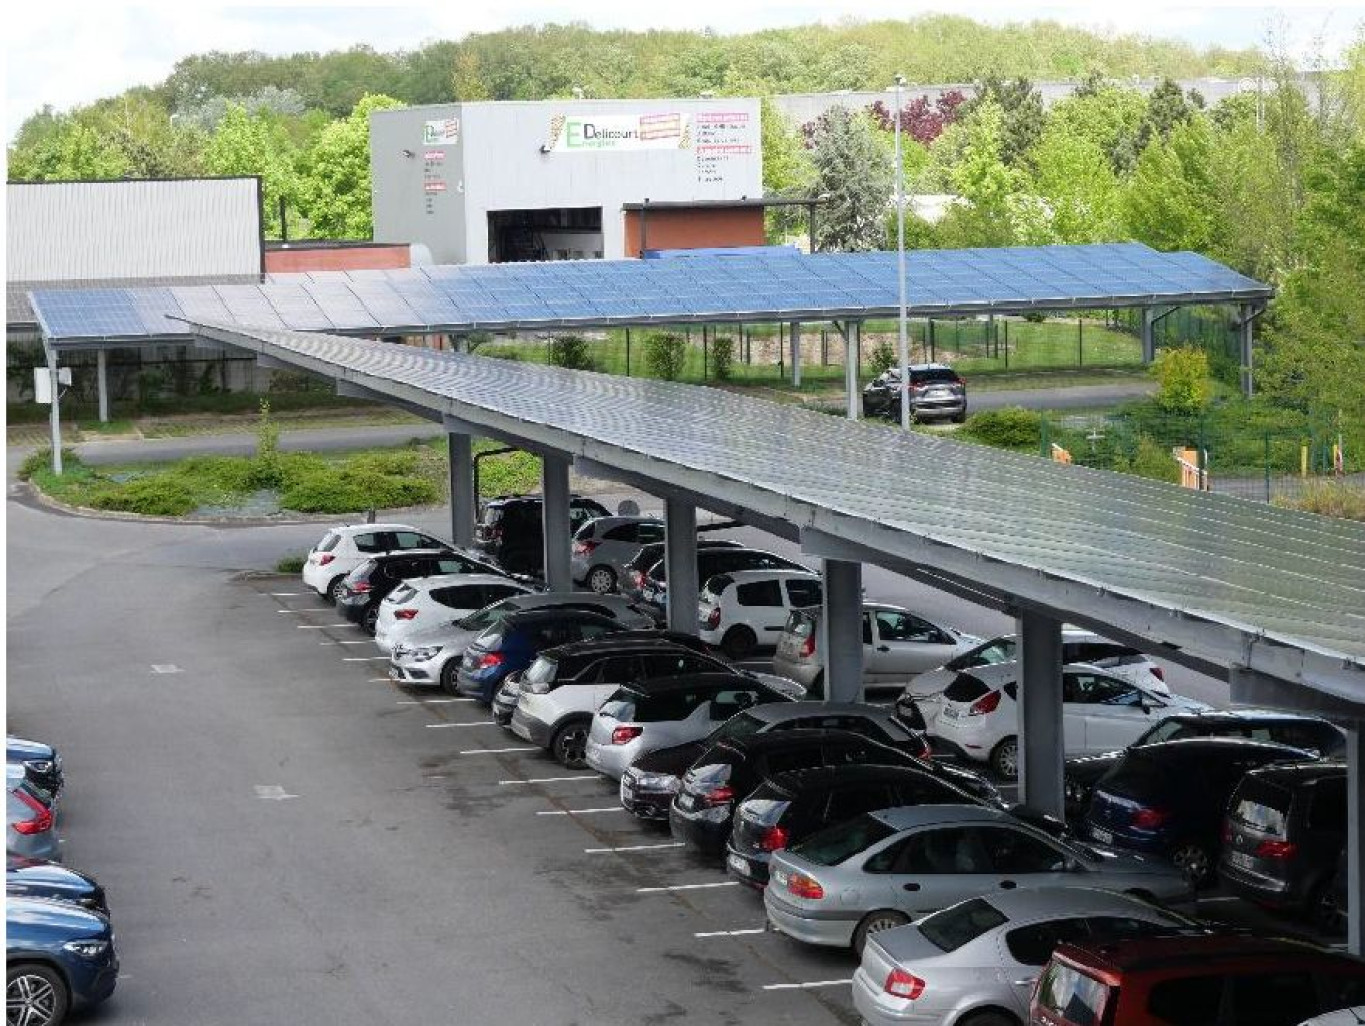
(394, 674)
(1103, 836)
(1240, 859)
(627, 788)
(738, 864)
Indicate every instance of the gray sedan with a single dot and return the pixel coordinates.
(967, 963)
(886, 868)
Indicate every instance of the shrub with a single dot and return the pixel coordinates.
(665, 354)
(1328, 498)
(290, 564)
(350, 489)
(883, 357)
(1010, 428)
(514, 473)
(1183, 373)
(722, 357)
(1149, 459)
(401, 462)
(1035, 316)
(155, 495)
(228, 474)
(571, 351)
(41, 459)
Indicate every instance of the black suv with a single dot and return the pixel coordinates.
(936, 390)
(370, 583)
(1283, 836)
(511, 529)
(632, 583)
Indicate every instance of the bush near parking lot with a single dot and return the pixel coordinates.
(722, 357)
(665, 354)
(1010, 428)
(1329, 498)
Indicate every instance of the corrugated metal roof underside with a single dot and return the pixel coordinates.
(599, 293)
(1291, 577)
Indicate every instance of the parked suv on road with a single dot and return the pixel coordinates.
(422, 602)
(42, 765)
(370, 583)
(59, 956)
(344, 548)
(746, 610)
(511, 529)
(602, 548)
(936, 390)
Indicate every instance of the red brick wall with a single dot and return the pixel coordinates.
(336, 258)
(695, 229)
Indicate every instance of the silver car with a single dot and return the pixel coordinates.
(29, 824)
(602, 548)
(984, 954)
(433, 656)
(897, 644)
(886, 868)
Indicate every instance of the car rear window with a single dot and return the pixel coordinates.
(934, 374)
(329, 542)
(965, 688)
(1002, 650)
(1072, 996)
(1261, 805)
(1135, 777)
(715, 586)
(492, 514)
(668, 706)
(842, 841)
(800, 625)
(647, 556)
(739, 725)
(953, 927)
(620, 706)
(402, 593)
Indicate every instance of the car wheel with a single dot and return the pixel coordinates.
(570, 744)
(959, 418)
(1194, 861)
(449, 672)
(370, 620)
(1005, 758)
(738, 642)
(602, 580)
(876, 922)
(35, 996)
(1322, 911)
(334, 589)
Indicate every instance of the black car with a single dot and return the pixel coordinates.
(511, 529)
(1168, 799)
(1306, 732)
(42, 765)
(789, 807)
(371, 582)
(1284, 835)
(936, 390)
(710, 562)
(632, 583)
(39, 878)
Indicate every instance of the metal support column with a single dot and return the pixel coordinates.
(1040, 741)
(1355, 839)
(794, 336)
(463, 500)
(54, 416)
(848, 329)
(680, 564)
(1245, 332)
(554, 484)
(841, 629)
(102, 384)
(1148, 337)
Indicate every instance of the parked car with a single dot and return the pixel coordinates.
(1168, 799)
(1307, 732)
(885, 868)
(664, 711)
(1283, 836)
(422, 602)
(344, 548)
(787, 808)
(1192, 980)
(924, 693)
(975, 963)
(1341, 1017)
(370, 583)
(30, 824)
(58, 956)
(514, 643)
(432, 656)
(27, 877)
(897, 644)
(710, 562)
(936, 390)
(631, 583)
(511, 529)
(603, 547)
(745, 611)
(42, 764)
(980, 713)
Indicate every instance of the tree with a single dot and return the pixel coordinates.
(787, 170)
(247, 145)
(64, 151)
(1167, 107)
(1077, 185)
(1021, 114)
(985, 182)
(335, 187)
(851, 167)
(1170, 202)
(1108, 116)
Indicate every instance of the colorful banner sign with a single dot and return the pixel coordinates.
(445, 132)
(619, 132)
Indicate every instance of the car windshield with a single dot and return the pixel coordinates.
(953, 927)
(487, 616)
(739, 725)
(1001, 650)
(842, 841)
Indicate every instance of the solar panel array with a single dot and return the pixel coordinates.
(764, 286)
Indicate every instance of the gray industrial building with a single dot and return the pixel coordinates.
(487, 182)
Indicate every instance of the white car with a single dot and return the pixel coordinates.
(424, 602)
(1078, 646)
(1100, 713)
(745, 610)
(344, 548)
(1342, 1017)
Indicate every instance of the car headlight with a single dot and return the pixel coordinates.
(666, 782)
(86, 948)
(422, 654)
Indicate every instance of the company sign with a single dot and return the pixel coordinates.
(445, 132)
(619, 132)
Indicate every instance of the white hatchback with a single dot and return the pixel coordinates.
(425, 602)
(746, 610)
(344, 548)
(1100, 713)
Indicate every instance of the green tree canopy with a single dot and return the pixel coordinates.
(257, 145)
(335, 187)
(852, 169)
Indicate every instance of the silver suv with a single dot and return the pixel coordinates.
(602, 548)
(936, 390)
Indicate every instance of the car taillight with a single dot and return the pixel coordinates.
(488, 659)
(405, 614)
(625, 735)
(985, 704)
(359, 587)
(773, 839)
(808, 646)
(713, 618)
(926, 750)
(584, 548)
(637, 578)
(42, 819)
(1150, 819)
(903, 984)
(325, 558)
(1158, 672)
(804, 886)
(718, 795)
(1276, 850)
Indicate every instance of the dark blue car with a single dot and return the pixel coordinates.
(38, 878)
(1168, 799)
(59, 956)
(514, 643)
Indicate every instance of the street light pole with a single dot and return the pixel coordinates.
(904, 350)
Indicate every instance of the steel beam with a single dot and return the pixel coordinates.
(841, 629)
(102, 383)
(460, 425)
(1148, 335)
(355, 391)
(463, 501)
(1245, 338)
(680, 564)
(554, 484)
(1040, 739)
(846, 331)
(794, 337)
(1355, 840)
(54, 415)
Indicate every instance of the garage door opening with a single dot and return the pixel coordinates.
(552, 233)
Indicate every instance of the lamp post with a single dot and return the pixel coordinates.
(903, 352)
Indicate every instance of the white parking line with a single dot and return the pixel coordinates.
(284, 594)
(423, 701)
(732, 933)
(480, 723)
(343, 642)
(686, 887)
(577, 812)
(632, 847)
(365, 659)
(496, 751)
(550, 780)
(311, 626)
(808, 986)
